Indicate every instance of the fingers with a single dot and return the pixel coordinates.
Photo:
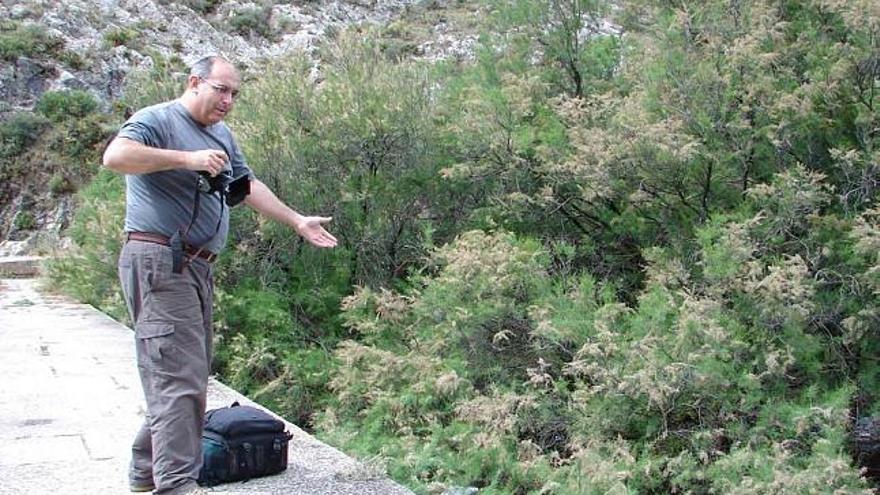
(211, 161)
(324, 243)
(327, 237)
(320, 237)
(321, 234)
(215, 162)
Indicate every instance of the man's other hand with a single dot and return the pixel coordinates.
(311, 229)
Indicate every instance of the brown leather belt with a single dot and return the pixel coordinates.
(161, 239)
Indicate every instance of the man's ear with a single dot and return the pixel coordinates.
(192, 82)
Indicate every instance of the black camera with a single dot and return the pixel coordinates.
(233, 190)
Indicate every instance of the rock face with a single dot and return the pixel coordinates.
(25, 79)
(109, 38)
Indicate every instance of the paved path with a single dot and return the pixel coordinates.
(70, 403)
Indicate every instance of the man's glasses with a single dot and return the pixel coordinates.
(223, 90)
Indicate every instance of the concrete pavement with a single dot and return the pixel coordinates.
(70, 403)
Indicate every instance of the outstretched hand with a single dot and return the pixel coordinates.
(311, 229)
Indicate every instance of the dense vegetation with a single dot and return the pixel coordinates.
(48, 153)
(640, 259)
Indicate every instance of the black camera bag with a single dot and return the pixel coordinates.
(240, 443)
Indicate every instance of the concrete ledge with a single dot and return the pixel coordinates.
(71, 402)
(20, 266)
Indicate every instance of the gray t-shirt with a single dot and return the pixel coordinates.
(163, 202)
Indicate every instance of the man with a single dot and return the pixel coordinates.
(174, 231)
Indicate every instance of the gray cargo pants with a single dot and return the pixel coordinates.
(172, 317)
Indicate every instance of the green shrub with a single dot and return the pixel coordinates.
(163, 82)
(27, 40)
(247, 310)
(18, 132)
(202, 6)
(252, 20)
(59, 185)
(444, 372)
(119, 36)
(25, 221)
(289, 378)
(264, 353)
(80, 141)
(371, 170)
(60, 106)
(73, 60)
(88, 272)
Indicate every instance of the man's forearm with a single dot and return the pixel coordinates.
(131, 157)
(310, 228)
(266, 203)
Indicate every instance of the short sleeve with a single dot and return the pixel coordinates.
(145, 128)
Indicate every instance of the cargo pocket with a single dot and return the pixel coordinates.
(156, 347)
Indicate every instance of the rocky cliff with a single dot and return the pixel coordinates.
(103, 40)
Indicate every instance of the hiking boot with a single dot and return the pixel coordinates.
(141, 486)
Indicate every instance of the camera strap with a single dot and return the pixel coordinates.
(178, 240)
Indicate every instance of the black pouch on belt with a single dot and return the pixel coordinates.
(176, 243)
